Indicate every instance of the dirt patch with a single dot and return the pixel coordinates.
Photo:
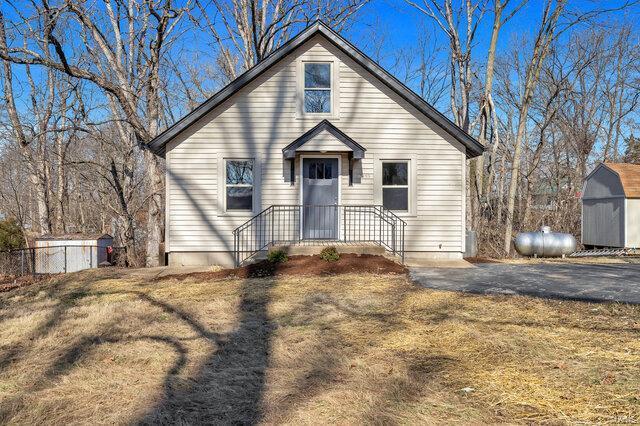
(569, 260)
(11, 282)
(476, 260)
(302, 266)
(541, 260)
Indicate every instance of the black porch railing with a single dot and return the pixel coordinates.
(294, 224)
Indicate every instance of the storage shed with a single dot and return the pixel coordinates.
(611, 206)
(55, 254)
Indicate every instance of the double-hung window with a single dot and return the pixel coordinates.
(395, 185)
(317, 88)
(239, 185)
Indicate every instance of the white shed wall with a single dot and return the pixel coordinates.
(60, 256)
(632, 210)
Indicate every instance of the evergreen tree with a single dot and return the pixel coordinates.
(11, 236)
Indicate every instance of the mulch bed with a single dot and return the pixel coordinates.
(304, 265)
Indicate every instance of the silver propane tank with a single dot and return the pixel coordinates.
(545, 243)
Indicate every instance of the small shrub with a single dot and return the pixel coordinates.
(277, 256)
(330, 254)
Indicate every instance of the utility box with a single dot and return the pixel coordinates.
(471, 244)
(57, 254)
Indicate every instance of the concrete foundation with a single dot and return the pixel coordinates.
(432, 255)
(199, 258)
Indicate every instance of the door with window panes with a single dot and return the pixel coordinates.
(320, 198)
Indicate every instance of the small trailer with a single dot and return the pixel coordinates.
(56, 254)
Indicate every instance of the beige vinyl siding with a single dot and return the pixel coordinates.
(324, 141)
(263, 118)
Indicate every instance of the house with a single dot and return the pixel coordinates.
(611, 206)
(316, 143)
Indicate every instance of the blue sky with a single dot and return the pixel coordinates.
(402, 22)
(399, 25)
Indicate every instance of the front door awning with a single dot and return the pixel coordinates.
(324, 137)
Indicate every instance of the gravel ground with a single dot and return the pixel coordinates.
(588, 282)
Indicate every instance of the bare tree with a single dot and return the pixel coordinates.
(468, 14)
(15, 186)
(85, 107)
(621, 101)
(447, 17)
(416, 67)
(546, 34)
(488, 120)
(251, 29)
(120, 51)
(32, 140)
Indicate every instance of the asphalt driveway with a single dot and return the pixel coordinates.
(594, 283)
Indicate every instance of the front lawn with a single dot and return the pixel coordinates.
(114, 346)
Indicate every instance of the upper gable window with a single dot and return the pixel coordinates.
(317, 88)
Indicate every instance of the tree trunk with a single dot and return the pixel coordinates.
(40, 190)
(155, 216)
(61, 191)
(544, 39)
(515, 170)
(500, 207)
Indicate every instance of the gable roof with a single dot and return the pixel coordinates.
(473, 147)
(289, 151)
(629, 175)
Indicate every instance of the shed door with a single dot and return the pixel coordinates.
(603, 222)
(320, 198)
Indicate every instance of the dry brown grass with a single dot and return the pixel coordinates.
(115, 347)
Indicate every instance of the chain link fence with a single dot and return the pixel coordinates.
(58, 259)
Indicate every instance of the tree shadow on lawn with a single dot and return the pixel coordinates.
(228, 387)
(339, 363)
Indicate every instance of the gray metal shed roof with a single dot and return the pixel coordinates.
(473, 147)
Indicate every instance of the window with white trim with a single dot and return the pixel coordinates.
(317, 88)
(395, 185)
(239, 185)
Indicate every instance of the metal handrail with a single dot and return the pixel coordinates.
(278, 224)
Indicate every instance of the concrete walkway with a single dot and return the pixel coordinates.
(587, 282)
